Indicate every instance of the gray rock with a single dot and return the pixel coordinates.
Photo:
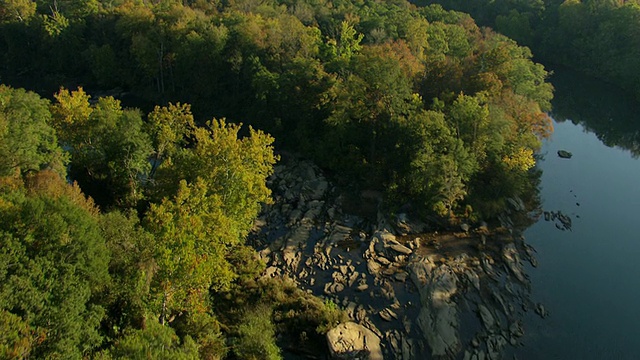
(394, 339)
(353, 341)
(541, 311)
(317, 189)
(487, 318)
(407, 348)
(438, 317)
(564, 154)
(400, 249)
(339, 233)
(473, 278)
(516, 203)
(516, 329)
(271, 271)
(401, 276)
(384, 236)
(373, 267)
(294, 216)
(351, 309)
(512, 258)
(315, 207)
(344, 269)
(352, 278)
(336, 288)
(388, 314)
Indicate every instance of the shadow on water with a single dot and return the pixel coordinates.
(614, 117)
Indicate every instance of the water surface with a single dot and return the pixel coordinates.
(589, 277)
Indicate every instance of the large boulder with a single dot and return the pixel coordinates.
(384, 236)
(438, 317)
(353, 341)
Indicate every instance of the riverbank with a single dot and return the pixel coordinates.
(423, 293)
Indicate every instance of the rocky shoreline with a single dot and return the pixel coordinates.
(416, 293)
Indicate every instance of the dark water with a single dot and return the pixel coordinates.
(589, 277)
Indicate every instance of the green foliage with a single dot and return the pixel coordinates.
(153, 342)
(27, 140)
(256, 335)
(232, 170)
(16, 10)
(211, 213)
(204, 328)
(422, 103)
(191, 238)
(297, 311)
(440, 166)
(53, 259)
(340, 84)
(109, 148)
(597, 37)
(169, 127)
(130, 267)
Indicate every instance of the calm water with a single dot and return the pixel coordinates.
(588, 278)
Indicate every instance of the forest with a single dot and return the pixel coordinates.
(137, 139)
(596, 37)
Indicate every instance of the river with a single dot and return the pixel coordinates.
(588, 277)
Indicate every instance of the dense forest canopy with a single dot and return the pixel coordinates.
(596, 37)
(384, 93)
(123, 230)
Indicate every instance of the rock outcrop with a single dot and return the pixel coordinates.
(353, 341)
(438, 318)
(404, 290)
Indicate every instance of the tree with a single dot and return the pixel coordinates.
(16, 10)
(27, 141)
(256, 335)
(469, 116)
(170, 127)
(233, 168)
(131, 267)
(109, 148)
(440, 166)
(153, 342)
(191, 239)
(221, 191)
(52, 260)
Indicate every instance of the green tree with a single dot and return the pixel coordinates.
(27, 140)
(52, 260)
(233, 168)
(222, 188)
(153, 342)
(131, 266)
(191, 239)
(440, 166)
(256, 335)
(170, 127)
(16, 10)
(108, 145)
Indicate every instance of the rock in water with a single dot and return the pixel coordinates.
(512, 258)
(486, 316)
(564, 154)
(353, 341)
